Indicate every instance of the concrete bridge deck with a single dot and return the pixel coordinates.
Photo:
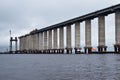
(92, 15)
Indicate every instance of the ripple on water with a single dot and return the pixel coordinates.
(60, 67)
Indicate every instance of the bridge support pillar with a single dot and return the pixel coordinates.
(88, 36)
(101, 34)
(68, 36)
(45, 42)
(41, 42)
(117, 31)
(50, 41)
(37, 42)
(55, 40)
(77, 38)
(32, 43)
(61, 39)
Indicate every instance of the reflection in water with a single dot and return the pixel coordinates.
(60, 67)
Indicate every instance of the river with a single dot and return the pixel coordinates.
(60, 67)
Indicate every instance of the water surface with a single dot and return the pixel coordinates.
(60, 67)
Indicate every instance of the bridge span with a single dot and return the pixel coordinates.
(45, 40)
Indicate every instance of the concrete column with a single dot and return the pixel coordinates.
(55, 40)
(37, 41)
(31, 42)
(26, 46)
(21, 43)
(35, 38)
(25, 42)
(50, 41)
(88, 36)
(34, 43)
(117, 31)
(20, 46)
(28, 42)
(77, 37)
(16, 45)
(101, 34)
(32, 36)
(41, 41)
(68, 36)
(45, 41)
(61, 39)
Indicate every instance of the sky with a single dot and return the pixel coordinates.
(22, 16)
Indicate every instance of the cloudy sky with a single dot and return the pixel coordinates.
(22, 16)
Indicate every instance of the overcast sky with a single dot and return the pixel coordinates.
(22, 16)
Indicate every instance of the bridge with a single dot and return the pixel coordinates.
(45, 40)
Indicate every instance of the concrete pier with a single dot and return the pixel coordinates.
(36, 43)
(50, 41)
(41, 45)
(55, 49)
(68, 39)
(77, 38)
(27, 44)
(88, 36)
(61, 39)
(101, 34)
(45, 42)
(117, 31)
(32, 43)
(20, 45)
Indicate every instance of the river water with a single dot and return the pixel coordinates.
(60, 67)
